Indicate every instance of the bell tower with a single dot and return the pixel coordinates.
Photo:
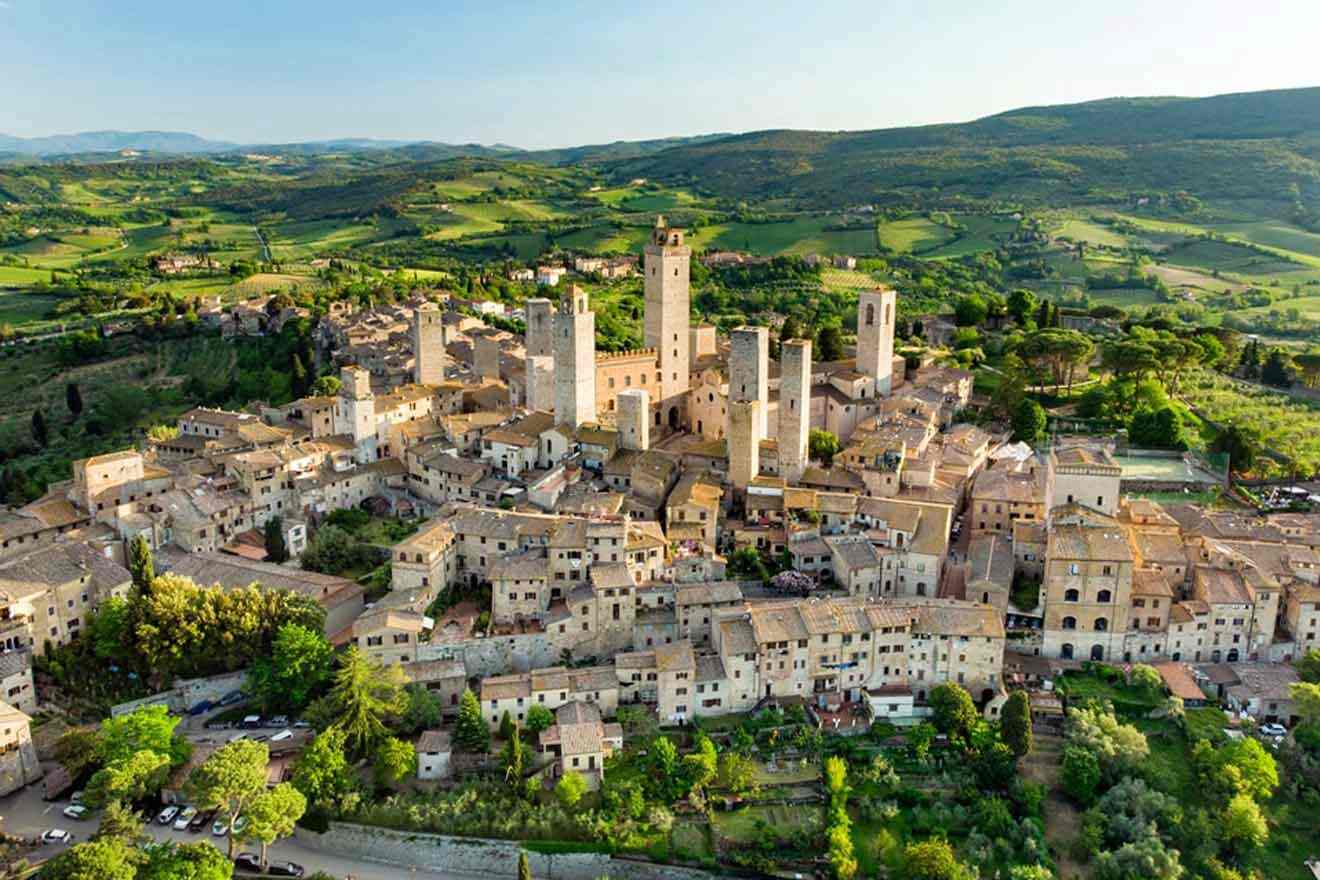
(666, 263)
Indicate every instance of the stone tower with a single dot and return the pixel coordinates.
(540, 372)
(744, 442)
(540, 327)
(575, 360)
(749, 369)
(428, 336)
(794, 407)
(668, 305)
(356, 412)
(486, 356)
(634, 420)
(875, 336)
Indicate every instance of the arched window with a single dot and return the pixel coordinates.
(886, 314)
(1066, 652)
(870, 314)
(1104, 597)
(1233, 655)
(1071, 596)
(1070, 623)
(1097, 652)
(1102, 624)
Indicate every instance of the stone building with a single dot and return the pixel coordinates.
(876, 312)
(428, 341)
(575, 360)
(668, 304)
(749, 371)
(794, 407)
(18, 756)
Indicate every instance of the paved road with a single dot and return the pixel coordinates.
(24, 813)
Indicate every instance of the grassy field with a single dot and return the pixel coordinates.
(20, 308)
(263, 283)
(300, 241)
(1307, 306)
(846, 279)
(802, 235)
(19, 276)
(913, 235)
(982, 233)
(1224, 256)
(606, 239)
(1076, 229)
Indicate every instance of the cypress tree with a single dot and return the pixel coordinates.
(1015, 725)
(73, 398)
(39, 431)
(140, 564)
(470, 732)
(276, 550)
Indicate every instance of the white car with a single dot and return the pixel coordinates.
(220, 827)
(181, 822)
(167, 815)
(76, 811)
(1273, 730)
(56, 835)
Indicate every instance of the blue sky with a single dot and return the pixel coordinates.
(563, 73)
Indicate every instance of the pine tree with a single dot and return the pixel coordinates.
(1015, 723)
(508, 729)
(276, 550)
(471, 733)
(524, 869)
(73, 398)
(140, 564)
(39, 431)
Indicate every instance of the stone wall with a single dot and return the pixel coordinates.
(496, 655)
(477, 857)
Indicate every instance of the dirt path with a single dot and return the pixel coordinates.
(1062, 819)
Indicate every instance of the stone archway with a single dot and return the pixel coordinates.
(673, 418)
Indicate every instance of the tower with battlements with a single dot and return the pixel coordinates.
(428, 337)
(794, 407)
(665, 265)
(876, 314)
(355, 411)
(575, 360)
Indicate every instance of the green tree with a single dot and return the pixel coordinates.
(1015, 723)
(1275, 371)
(701, 765)
(276, 550)
(326, 386)
(109, 858)
(396, 760)
(539, 719)
(298, 667)
(514, 758)
(1257, 774)
(423, 711)
(140, 564)
(40, 432)
(230, 780)
(1080, 774)
(931, 860)
(524, 869)
(829, 343)
(321, 771)
(189, 861)
(73, 399)
(76, 750)
(149, 728)
(1029, 422)
(822, 446)
(1021, 304)
(1240, 443)
(1146, 858)
(1308, 666)
(1244, 824)
(970, 310)
(129, 779)
(953, 712)
(1147, 679)
(570, 789)
(273, 814)
(470, 732)
(508, 729)
(745, 563)
(736, 774)
(364, 694)
(120, 820)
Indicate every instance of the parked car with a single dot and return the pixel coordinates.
(201, 820)
(239, 824)
(279, 721)
(167, 815)
(220, 827)
(246, 861)
(185, 818)
(251, 722)
(231, 698)
(76, 811)
(1273, 730)
(56, 835)
(285, 869)
(76, 797)
(284, 734)
(236, 737)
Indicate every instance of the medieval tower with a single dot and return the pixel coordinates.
(668, 306)
(749, 370)
(634, 419)
(744, 442)
(794, 407)
(540, 327)
(575, 360)
(355, 412)
(875, 336)
(428, 337)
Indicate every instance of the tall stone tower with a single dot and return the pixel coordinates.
(744, 442)
(749, 369)
(875, 336)
(356, 412)
(428, 336)
(486, 356)
(668, 305)
(540, 327)
(575, 360)
(634, 419)
(794, 407)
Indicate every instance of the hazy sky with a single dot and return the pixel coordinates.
(563, 73)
